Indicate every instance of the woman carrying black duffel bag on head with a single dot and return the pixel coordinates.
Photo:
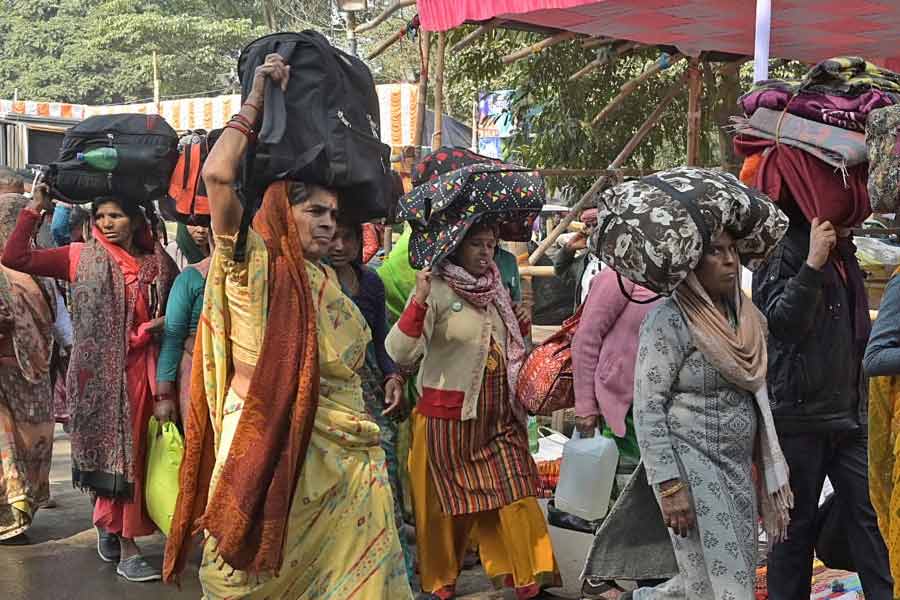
(282, 470)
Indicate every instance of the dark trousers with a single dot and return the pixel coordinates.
(843, 457)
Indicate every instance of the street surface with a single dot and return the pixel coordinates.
(61, 562)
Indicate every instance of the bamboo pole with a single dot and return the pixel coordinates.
(593, 172)
(695, 89)
(384, 15)
(536, 271)
(395, 37)
(156, 82)
(629, 86)
(421, 103)
(603, 59)
(626, 152)
(598, 42)
(387, 240)
(538, 47)
(469, 39)
(437, 136)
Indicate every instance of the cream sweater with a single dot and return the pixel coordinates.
(452, 337)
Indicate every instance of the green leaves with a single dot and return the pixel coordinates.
(555, 114)
(100, 51)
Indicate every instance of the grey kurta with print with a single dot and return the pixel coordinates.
(694, 425)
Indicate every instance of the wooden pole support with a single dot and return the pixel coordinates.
(695, 89)
(396, 37)
(421, 102)
(538, 47)
(387, 240)
(532, 271)
(593, 172)
(384, 15)
(437, 136)
(597, 42)
(629, 86)
(602, 60)
(626, 152)
(469, 39)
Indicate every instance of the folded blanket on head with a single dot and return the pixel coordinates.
(841, 111)
(840, 76)
(788, 174)
(835, 146)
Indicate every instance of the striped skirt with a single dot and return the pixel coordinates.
(484, 463)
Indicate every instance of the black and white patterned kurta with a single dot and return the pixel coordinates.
(694, 425)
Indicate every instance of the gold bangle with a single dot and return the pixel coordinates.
(672, 490)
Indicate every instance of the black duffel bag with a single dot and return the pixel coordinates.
(323, 129)
(147, 149)
(832, 537)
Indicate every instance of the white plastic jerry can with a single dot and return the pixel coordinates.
(586, 476)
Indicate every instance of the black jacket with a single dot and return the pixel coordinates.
(815, 375)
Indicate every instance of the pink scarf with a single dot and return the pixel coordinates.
(481, 292)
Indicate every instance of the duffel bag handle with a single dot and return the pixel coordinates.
(688, 201)
(598, 240)
(628, 294)
(274, 110)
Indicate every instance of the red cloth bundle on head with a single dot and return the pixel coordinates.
(819, 190)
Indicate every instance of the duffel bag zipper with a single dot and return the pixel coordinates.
(375, 135)
(343, 119)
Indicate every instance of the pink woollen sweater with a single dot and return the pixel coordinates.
(605, 348)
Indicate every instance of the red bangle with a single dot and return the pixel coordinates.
(237, 126)
(253, 106)
(242, 120)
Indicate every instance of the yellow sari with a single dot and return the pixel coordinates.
(342, 541)
(884, 468)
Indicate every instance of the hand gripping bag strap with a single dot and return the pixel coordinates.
(275, 113)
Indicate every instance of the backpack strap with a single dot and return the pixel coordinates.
(275, 112)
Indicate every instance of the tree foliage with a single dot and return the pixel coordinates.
(555, 114)
(100, 51)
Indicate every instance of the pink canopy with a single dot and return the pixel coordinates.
(806, 30)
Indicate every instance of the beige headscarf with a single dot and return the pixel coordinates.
(740, 355)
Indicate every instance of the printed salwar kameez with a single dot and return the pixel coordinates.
(695, 426)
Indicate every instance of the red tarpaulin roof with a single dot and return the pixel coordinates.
(807, 30)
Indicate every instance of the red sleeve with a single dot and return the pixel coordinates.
(20, 255)
(412, 321)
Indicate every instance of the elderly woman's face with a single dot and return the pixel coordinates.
(316, 220)
(719, 268)
(476, 251)
(115, 224)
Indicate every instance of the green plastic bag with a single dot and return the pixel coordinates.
(165, 450)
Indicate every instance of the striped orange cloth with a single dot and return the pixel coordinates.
(484, 463)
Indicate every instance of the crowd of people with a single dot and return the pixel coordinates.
(303, 380)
